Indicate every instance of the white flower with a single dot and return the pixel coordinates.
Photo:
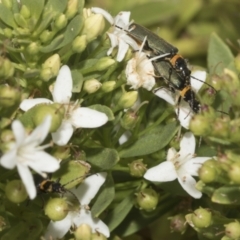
(183, 110)
(180, 165)
(26, 153)
(85, 193)
(117, 35)
(75, 116)
(140, 71)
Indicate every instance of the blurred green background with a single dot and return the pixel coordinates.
(187, 24)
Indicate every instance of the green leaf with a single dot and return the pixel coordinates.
(151, 142)
(227, 195)
(77, 81)
(6, 16)
(219, 55)
(104, 109)
(118, 214)
(103, 158)
(105, 197)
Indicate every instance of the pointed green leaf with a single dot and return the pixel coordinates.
(105, 197)
(219, 55)
(151, 142)
(104, 109)
(77, 81)
(6, 16)
(103, 158)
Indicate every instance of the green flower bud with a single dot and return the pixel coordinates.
(56, 111)
(232, 230)
(23, 31)
(33, 48)
(220, 128)
(56, 209)
(216, 82)
(128, 99)
(7, 3)
(60, 22)
(93, 26)
(46, 36)
(207, 174)
(178, 223)
(50, 67)
(234, 130)
(61, 152)
(104, 63)
(108, 86)
(98, 236)
(72, 8)
(147, 199)
(25, 12)
(6, 68)
(9, 96)
(199, 125)
(15, 191)
(91, 86)
(79, 44)
(83, 232)
(234, 172)
(137, 168)
(202, 218)
(20, 20)
(129, 120)
(8, 32)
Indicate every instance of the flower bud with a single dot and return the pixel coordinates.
(232, 230)
(61, 152)
(91, 86)
(79, 44)
(33, 48)
(234, 172)
(56, 111)
(72, 8)
(93, 26)
(216, 82)
(15, 191)
(56, 209)
(128, 99)
(50, 67)
(178, 223)
(108, 86)
(25, 12)
(137, 168)
(83, 232)
(6, 68)
(23, 31)
(199, 125)
(129, 120)
(207, 174)
(7, 3)
(234, 130)
(20, 20)
(8, 32)
(46, 36)
(104, 63)
(202, 218)
(60, 22)
(98, 236)
(220, 128)
(147, 199)
(9, 96)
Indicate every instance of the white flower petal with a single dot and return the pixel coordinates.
(89, 187)
(184, 114)
(106, 15)
(39, 133)
(19, 132)
(28, 181)
(88, 118)
(122, 50)
(85, 217)
(164, 172)
(187, 146)
(114, 42)
(171, 154)
(43, 162)
(124, 138)
(195, 84)
(188, 183)
(62, 90)
(9, 159)
(59, 228)
(192, 166)
(166, 94)
(122, 19)
(29, 103)
(63, 134)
